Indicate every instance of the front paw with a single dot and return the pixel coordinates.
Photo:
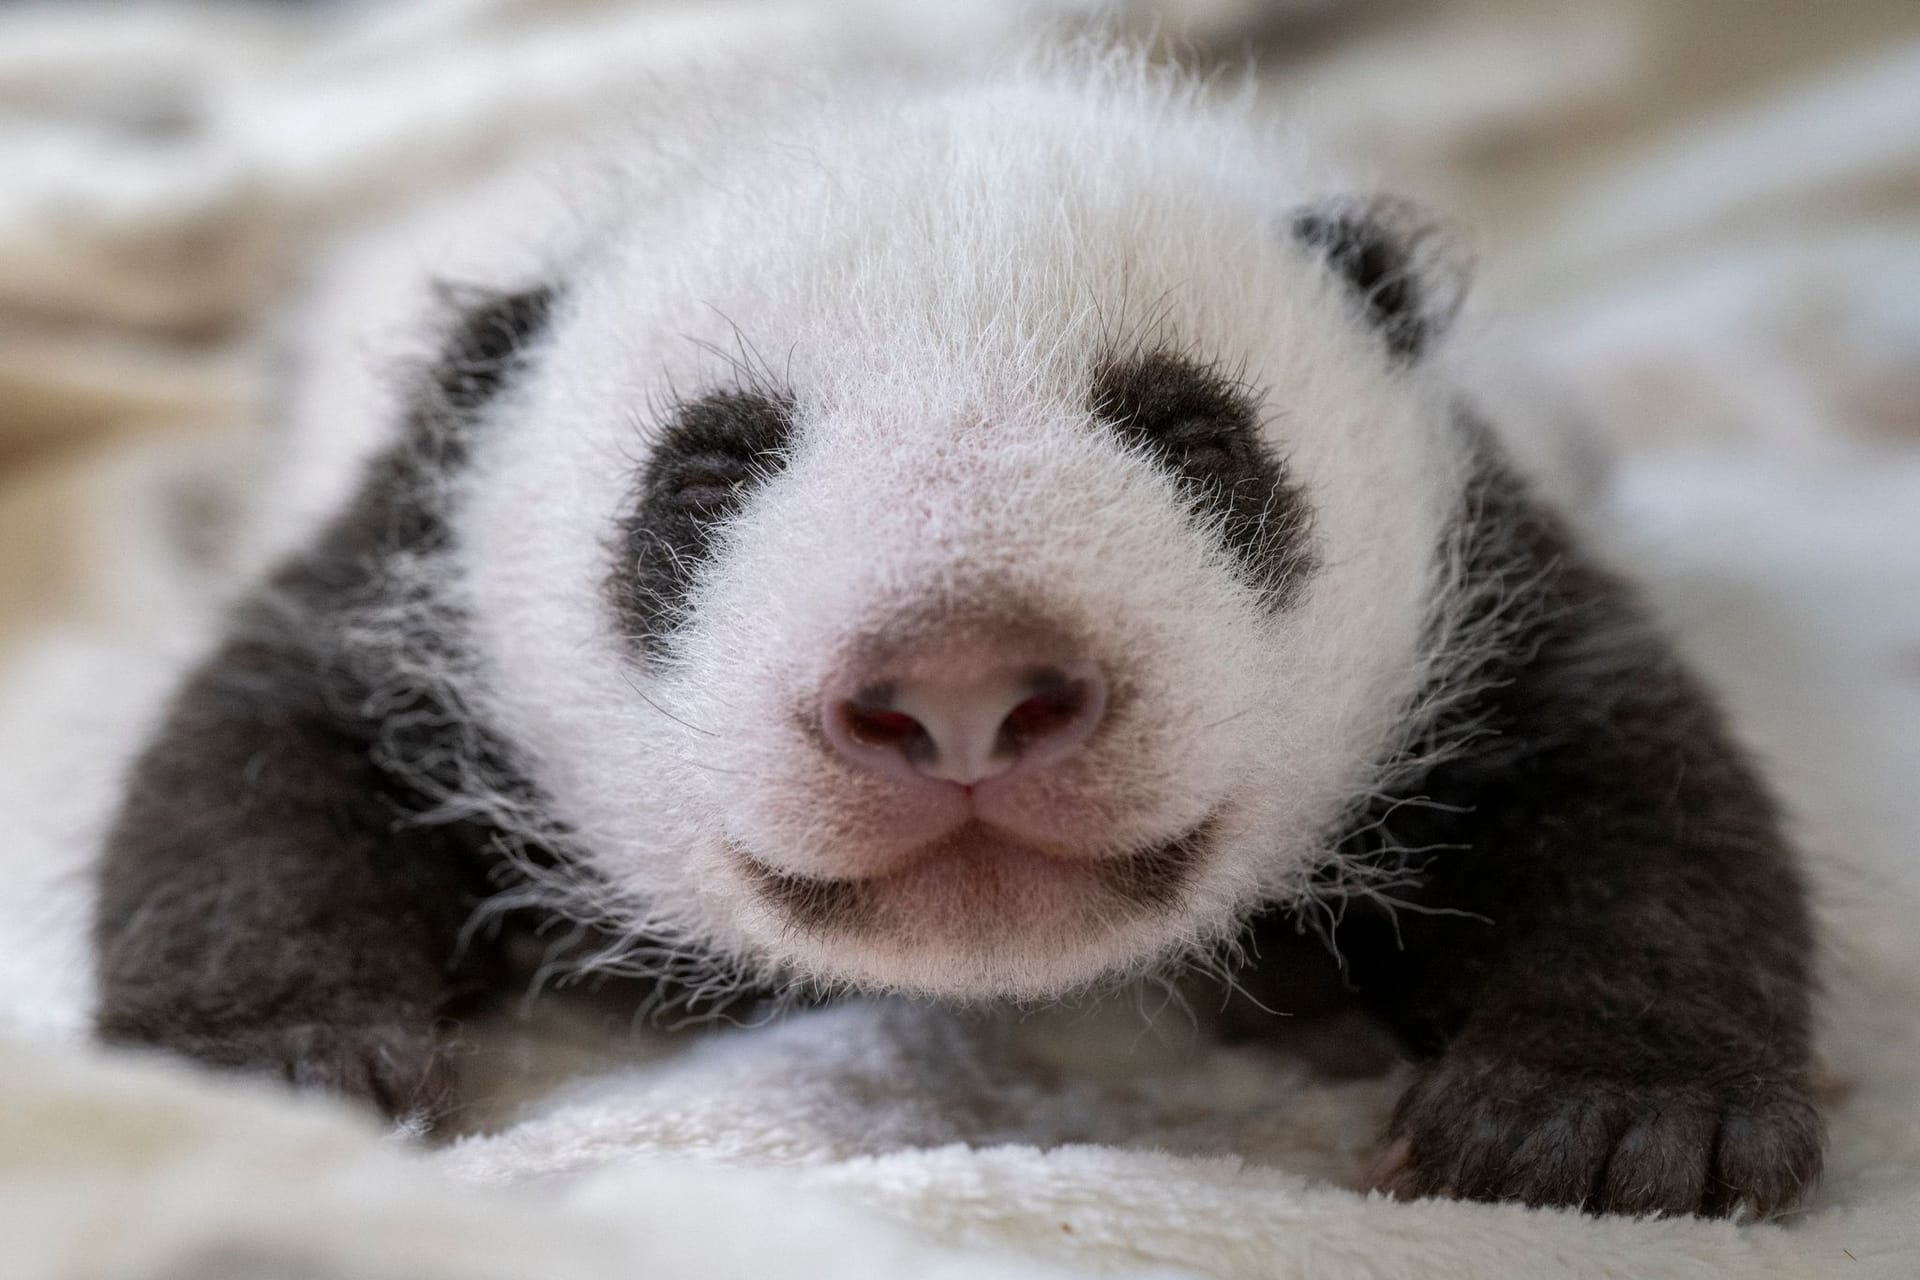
(396, 1066)
(1485, 1129)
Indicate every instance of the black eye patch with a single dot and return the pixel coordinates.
(1204, 430)
(714, 452)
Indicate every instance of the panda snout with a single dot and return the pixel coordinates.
(975, 803)
(964, 708)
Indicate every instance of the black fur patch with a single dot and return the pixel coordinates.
(1371, 253)
(1205, 430)
(493, 330)
(266, 901)
(400, 515)
(398, 509)
(1597, 937)
(707, 462)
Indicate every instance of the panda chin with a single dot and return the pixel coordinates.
(980, 913)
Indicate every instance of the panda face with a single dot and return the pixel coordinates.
(988, 559)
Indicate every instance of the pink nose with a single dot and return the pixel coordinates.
(964, 717)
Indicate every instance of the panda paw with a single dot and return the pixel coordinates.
(399, 1068)
(1747, 1145)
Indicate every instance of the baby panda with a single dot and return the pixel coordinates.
(984, 541)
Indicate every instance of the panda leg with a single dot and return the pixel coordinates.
(1603, 966)
(258, 909)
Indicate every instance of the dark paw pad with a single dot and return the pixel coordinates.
(1745, 1146)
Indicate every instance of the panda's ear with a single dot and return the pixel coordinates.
(1408, 271)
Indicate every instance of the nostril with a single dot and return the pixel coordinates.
(963, 720)
(884, 729)
(1053, 721)
(1053, 708)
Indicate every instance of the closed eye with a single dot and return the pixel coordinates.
(705, 482)
(1199, 440)
(1204, 430)
(706, 463)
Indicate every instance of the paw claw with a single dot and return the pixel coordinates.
(1390, 1168)
(1490, 1130)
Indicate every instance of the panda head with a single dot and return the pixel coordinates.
(973, 549)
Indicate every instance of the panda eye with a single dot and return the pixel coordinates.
(1203, 430)
(1178, 410)
(702, 467)
(717, 449)
(1202, 445)
(708, 481)
(1189, 433)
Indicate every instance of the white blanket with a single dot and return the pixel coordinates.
(1723, 274)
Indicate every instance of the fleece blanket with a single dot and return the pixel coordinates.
(1700, 242)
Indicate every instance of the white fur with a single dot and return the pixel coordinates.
(934, 272)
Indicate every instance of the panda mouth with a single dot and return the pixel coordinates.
(983, 883)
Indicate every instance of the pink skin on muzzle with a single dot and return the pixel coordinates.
(953, 721)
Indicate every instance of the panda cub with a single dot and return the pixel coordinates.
(983, 541)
